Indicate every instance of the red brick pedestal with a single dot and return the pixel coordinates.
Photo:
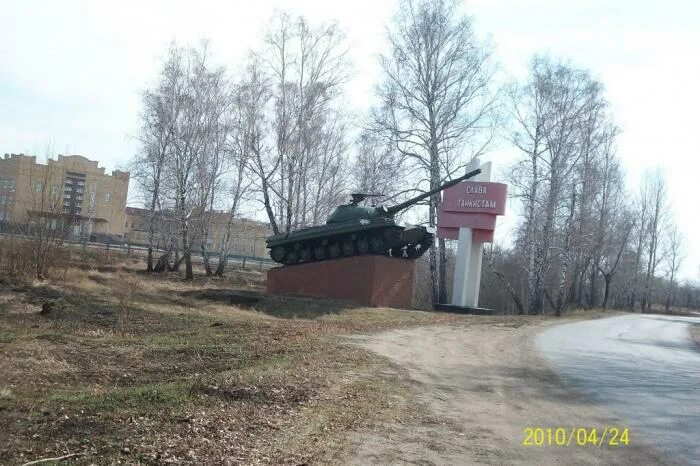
(370, 280)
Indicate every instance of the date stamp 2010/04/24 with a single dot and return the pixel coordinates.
(575, 436)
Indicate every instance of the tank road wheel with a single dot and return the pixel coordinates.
(334, 250)
(305, 254)
(292, 257)
(277, 253)
(362, 245)
(319, 252)
(414, 251)
(348, 247)
(377, 245)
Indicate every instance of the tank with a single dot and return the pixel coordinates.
(355, 230)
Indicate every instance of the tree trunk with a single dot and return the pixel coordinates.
(205, 256)
(442, 275)
(511, 291)
(151, 222)
(561, 298)
(268, 207)
(531, 227)
(184, 231)
(223, 252)
(608, 279)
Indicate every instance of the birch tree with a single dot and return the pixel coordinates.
(552, 113)
(674, 258)
(377, 167)
(245, 146)
(305, 68)
(160, 109)
(437, 105)
(654, 195)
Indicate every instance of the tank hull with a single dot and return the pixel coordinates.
(377, 236)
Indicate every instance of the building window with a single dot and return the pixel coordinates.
(11, 184)
(38, 186)
(54, 189)
(108, 197)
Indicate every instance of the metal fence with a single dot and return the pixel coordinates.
(240, 260)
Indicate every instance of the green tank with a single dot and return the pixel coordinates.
(355, 230)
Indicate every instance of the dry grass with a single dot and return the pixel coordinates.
(212, 371)
(125, 289)
(133, 368)
(15, 258)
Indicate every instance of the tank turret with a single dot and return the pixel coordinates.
(353, 230)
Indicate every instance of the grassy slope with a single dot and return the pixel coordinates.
(191, 380)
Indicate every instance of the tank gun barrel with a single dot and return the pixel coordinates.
(399, 207)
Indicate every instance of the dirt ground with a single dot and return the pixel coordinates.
(107, 365)
(483, 385)
(135, 369)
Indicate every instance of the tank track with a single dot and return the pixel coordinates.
(386, 242)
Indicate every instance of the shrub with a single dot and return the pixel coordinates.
(125, 290)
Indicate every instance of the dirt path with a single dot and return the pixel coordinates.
(484, 384)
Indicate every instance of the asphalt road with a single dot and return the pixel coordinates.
(643, 368)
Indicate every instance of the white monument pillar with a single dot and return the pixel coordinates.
(465, 287)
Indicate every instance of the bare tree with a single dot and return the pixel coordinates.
(196, 141)
(556, 114)
(48, 224)
(377, 167)
(160, 109)
(326, 183)
(654, 195)
(641, 211)
(611, 252)
(244, 146)
(305, 69)
(605, 187)
(674, 258)
(212, 161)
(437, 105)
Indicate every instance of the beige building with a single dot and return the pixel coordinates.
(70, 189)
(247, 236)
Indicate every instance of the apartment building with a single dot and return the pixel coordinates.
(71, 190)
(247, 236)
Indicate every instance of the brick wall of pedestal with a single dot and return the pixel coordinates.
(369, 280)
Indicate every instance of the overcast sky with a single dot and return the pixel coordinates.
(71, 72)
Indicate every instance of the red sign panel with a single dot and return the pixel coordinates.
(471, 204)
(475, 196)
